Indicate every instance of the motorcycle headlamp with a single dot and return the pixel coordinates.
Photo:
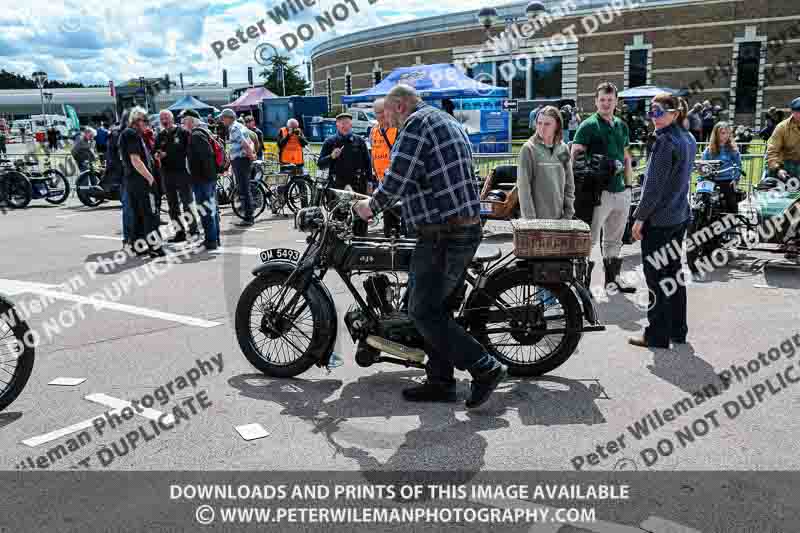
(309, 219)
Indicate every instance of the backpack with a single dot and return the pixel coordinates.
(221, 160)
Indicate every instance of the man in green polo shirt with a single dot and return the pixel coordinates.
(605, 134)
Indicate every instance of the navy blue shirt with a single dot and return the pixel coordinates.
(665, 192)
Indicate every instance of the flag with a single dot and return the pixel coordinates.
(70, 113)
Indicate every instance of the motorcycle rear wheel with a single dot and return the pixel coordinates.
(18, 189)
(16, 356)
(282, 342)
(527, 349)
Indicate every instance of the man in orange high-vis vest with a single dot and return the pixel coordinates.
(290, 144)
(382, 138)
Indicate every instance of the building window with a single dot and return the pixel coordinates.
(637, 67)
(377, 76)
(516, 70)
(547, 76)
(330, 95)
(348, 84)
(747, 77)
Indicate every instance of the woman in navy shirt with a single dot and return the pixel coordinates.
(722, 147)
(661, 220)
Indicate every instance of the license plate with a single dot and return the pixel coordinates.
(486, 207)
(705, 186)
(280, 253)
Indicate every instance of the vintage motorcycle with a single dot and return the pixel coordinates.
(707, 208)
(16, 355)
(529, 313)
(15, 187)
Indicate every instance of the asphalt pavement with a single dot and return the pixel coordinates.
(173, 319)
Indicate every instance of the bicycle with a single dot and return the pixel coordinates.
(228, 193)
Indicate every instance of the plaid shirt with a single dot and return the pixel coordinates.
(430, 171)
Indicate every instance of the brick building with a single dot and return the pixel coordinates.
(742, 54)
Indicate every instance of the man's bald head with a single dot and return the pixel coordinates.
(399, 104)
(378, 108)
(292, 123)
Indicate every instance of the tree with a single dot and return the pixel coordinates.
(295, 83)
(9, 80)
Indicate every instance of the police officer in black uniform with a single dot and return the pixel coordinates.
(347, 156)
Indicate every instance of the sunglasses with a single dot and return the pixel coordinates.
(658, 112)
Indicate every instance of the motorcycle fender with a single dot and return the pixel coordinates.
(6, 301)
(589, 311)
(332, 322)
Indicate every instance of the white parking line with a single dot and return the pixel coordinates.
(14, 287)
(102, 237)
(102, 399)
(238, 250)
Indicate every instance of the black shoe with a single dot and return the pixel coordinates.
(621, 285)
(484, 384)
(158, 252)
(210, 246)
(179, 237)
(431, 392)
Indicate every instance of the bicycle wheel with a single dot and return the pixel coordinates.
(258, 195)
(16, 357)
(58, 186)
(18, 189)
(299, 194)
(86, 182)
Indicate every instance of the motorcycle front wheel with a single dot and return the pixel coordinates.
(16, 355)
(531, 328)
(57, 182)
(283, 336)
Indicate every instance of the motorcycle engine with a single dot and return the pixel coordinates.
(380, 293)
(401, 329)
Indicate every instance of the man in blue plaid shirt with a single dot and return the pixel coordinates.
(432, 173)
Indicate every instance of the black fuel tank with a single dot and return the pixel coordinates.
(373, 256)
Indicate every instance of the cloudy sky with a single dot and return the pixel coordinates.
(93, 41)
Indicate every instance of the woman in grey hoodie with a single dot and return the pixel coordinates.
(545, 182)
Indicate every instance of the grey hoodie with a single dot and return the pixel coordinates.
(545, 182)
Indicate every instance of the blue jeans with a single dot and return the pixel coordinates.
(438, 267)
(205, 194)
(667, 309)
(127, 212)
(241, 170)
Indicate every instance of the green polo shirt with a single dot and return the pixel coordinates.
(611, 140)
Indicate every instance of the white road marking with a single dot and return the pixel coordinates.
(118, 405)
(238, 250)
(67, 382)
(252, 431)
(85, 424)
(67, 216)
(15, 287)
(102, 237)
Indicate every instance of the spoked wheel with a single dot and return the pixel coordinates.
(16, 358)
(258, 195)
(18, 189)
(531, 328)
(85, 183)
(299, 194)
(283, 336)
(58, 186)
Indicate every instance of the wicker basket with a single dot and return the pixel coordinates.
(551, 238)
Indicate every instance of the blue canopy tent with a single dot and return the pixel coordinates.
(432, 82)
(478, 106)
(190, 102)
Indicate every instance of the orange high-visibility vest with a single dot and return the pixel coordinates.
(381, 150)
(292, 153)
